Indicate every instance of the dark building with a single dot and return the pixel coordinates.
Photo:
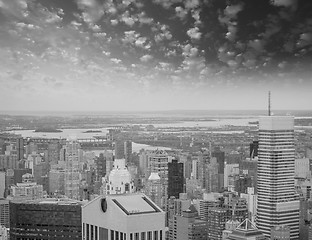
(119, 149)
(45, 219)
(249, 167)
(18, 173)
(100, 163)
(128, 150)
(217, 217)
(41, 172)
(20, 148)
(253, 149)
(175, 178)
(241, 183)
(220, 156)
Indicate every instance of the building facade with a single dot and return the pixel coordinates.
(72, 175)
(123, 217)
(277, 204)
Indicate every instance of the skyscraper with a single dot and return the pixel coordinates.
(72, 169)
(278, 203)
(128, 150)
(175, 178)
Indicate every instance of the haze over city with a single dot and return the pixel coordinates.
(96, 55)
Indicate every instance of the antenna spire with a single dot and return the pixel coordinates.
(269, 102)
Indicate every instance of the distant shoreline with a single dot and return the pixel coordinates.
(48, 130)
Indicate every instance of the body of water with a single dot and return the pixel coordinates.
(66, 133)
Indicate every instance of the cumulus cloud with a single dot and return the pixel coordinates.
(194, 33)
(146, 58)
(181, 12)
(190, 4)
(93, 11)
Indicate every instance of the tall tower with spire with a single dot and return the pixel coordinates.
(278, 203)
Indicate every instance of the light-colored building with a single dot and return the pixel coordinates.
(119, 180)
(251, 199)
(302, 168)
(4, 213)
(153, 189)
(3, 233)
(123, 217)
(188, 226)
(26, 191)
(278, 203)
(176, 207)
(57, 181)
(2, 184)
(72, 174)
(209, 201)
(230, 170)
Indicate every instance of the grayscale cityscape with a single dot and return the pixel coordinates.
(156, 119)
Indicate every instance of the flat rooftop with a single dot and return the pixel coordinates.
(135, 204)
(55, 201)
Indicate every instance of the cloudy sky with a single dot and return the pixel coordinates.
(155, 54)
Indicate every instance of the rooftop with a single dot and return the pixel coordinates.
(55, 201)
(135, 204)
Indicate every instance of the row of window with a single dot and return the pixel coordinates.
(91, 232)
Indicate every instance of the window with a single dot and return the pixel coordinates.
(92, 232)
(131, 236)
(149, 235)
(87, 237)
(155, 235)
(143, 237)
(160, 235)
(116, 235)
(96, 232)
(137, 236)
(112, 235)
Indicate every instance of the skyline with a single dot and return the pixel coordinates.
(135, 55)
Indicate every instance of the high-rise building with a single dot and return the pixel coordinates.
(278, 202)
(47, 218)
(27, 190)
(20, 148)
(217, 217)
(57, 181)
(253, 149)
(158, 162)
(72, 160)
(175, 178)
(123, 217)
(188, 226)
(128, 150)
(119, 149)
(210, 200)
(4, 235)
(175, 208)
(4, 213)
(2, 184)
(220, 156)
(153, 189)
